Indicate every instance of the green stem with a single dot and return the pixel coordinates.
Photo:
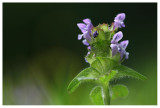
(106, 95)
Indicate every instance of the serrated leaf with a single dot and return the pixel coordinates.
(119, 91)
(124, 71)
(97, 95)
(88, 74)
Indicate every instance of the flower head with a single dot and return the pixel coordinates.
(85, 28)
(118, 21)
(119, 47)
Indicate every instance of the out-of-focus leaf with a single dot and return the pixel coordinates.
(119, 91)
(97, 95)
(124, 71)
(88, 74)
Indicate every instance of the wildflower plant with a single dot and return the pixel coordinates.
(105, 55)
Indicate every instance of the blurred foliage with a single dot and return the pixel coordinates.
(41, 53)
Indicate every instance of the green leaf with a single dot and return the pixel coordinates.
(103, 64)
(119, 91)
(97, 65)
(97, 95)
(88, 74)
(124, 71)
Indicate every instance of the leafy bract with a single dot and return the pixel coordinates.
(88, 74)
(97, 95)
(119, 91)
(124, 71)
(101, 48)
(103, 64)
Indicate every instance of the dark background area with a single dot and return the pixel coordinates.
(41, 53)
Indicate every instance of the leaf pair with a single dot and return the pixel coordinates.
(97, 94)
(102, 71)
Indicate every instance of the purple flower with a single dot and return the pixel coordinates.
(85, 42)
(118, 20)
(85, 28)
(119, 47)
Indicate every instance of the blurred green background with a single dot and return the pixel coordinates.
(41, 53)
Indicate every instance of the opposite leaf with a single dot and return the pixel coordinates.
(97, 95)
(124, 71)
(88, 74)
(119, 91)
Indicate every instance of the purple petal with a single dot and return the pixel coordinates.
(89, 47)
(120, 16)
(118, 36)
(123, 25)
(87, 21)
(124, 43)
(87, 36)
(82, 27)
(80, 36)
(114, 49)
(116, 24)
(118, 21)
(123, 52)
(121, 55)
(88, 53)
(85, 42)
(126, 55)
(89, 27)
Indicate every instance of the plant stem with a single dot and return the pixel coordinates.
(106, 95)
